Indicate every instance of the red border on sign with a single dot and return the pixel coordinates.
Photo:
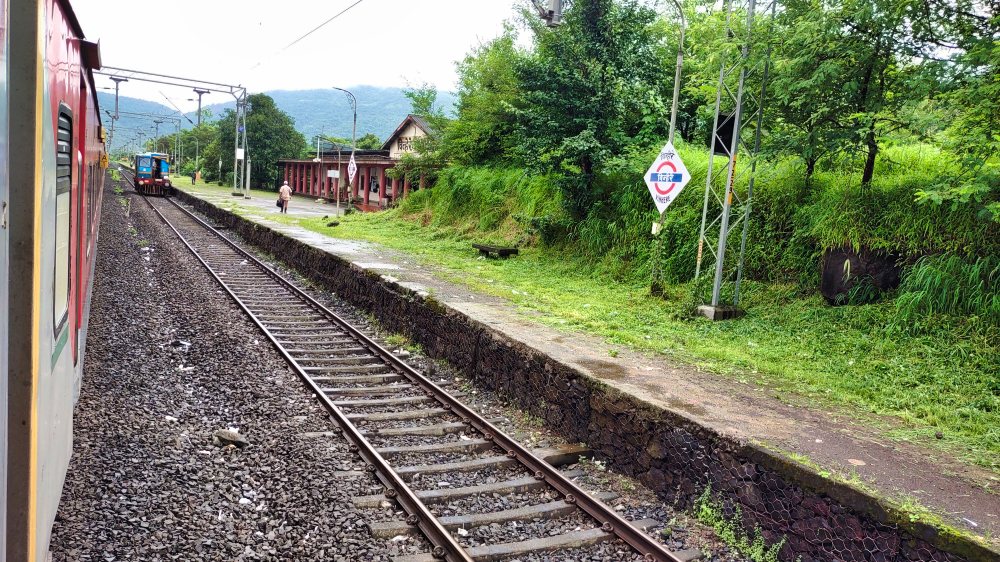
(656, 185)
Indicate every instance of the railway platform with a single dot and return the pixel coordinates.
(829, 484)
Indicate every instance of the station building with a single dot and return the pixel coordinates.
(371, 189)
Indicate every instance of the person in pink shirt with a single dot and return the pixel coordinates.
(285, 194)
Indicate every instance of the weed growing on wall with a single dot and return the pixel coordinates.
(729, 529)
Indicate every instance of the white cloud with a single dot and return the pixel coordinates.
(378, 42)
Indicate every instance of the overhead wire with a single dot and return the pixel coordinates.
(310, 32)
(184, 115)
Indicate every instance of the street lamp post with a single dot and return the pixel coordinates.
(156, 139)
(677, 72)
(200, 93)
(354, 135)
(673, 121)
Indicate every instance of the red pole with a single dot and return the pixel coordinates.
(365, 185)
(381, 186)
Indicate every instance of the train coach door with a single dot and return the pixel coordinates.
(4, 271)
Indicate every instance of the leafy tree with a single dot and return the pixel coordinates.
(975, 131)
(369, 141)
(583, 91)
(271, 135)
(487, 94)
(427, 157)
(846, 72)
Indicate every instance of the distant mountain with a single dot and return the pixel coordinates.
(325, 111)
(328, 111)
(128, 126)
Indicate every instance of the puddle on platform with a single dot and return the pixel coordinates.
(683, 406)
(603, 369)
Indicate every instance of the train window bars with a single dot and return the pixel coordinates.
(64, 185)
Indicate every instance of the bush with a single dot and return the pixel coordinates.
(792, 221)
(948, 284)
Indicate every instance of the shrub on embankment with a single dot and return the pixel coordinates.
(793, 220)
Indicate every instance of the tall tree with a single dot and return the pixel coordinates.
(975, 132)
(583, 91)
(488, 90)
(271, 135)
(369, 141)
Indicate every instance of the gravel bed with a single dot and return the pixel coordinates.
(677, 529)
(169, 362)
(375, 425)
(526, 530)
(463, 479)
(487, 503)
(411, 440)
(420, 459)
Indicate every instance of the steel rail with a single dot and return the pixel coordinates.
(445, 545)
(609, 519)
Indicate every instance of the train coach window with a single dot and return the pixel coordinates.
(64, 184)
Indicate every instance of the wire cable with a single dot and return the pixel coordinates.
(311, 31)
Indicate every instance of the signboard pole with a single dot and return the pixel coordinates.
(658, 225)
(677, 78)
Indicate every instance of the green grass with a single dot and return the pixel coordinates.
(729, 529)
(944, 379)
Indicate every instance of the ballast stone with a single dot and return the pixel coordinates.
(226, 437)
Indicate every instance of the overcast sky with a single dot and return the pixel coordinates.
(377, 42)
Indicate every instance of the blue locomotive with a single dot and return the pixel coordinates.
(152, 174)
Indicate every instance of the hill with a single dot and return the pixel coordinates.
(128, 126)
(328, 111)
(325, 111)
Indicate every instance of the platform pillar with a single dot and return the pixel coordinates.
(286, 172)
(422, 182)
(381, 186)
(395, 189)
(406, 186)
(366, 184)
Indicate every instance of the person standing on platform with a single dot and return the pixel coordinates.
(286, 195)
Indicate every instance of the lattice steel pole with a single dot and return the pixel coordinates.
(239, 164)
(738, 112)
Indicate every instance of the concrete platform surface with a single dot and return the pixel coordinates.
(963, 495)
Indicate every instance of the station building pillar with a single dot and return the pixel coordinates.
(381, 186)
(366, 185)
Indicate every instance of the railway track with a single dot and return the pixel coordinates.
(412, 433)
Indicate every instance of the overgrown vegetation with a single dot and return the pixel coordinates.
(729, 529)
(947, 284)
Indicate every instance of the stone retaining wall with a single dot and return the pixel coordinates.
(819, 519)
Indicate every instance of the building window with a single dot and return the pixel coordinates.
(64, 184)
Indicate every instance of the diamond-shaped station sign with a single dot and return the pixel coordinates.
(666, 177)
(352, 168)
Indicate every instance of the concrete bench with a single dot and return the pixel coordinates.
(499, 251)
